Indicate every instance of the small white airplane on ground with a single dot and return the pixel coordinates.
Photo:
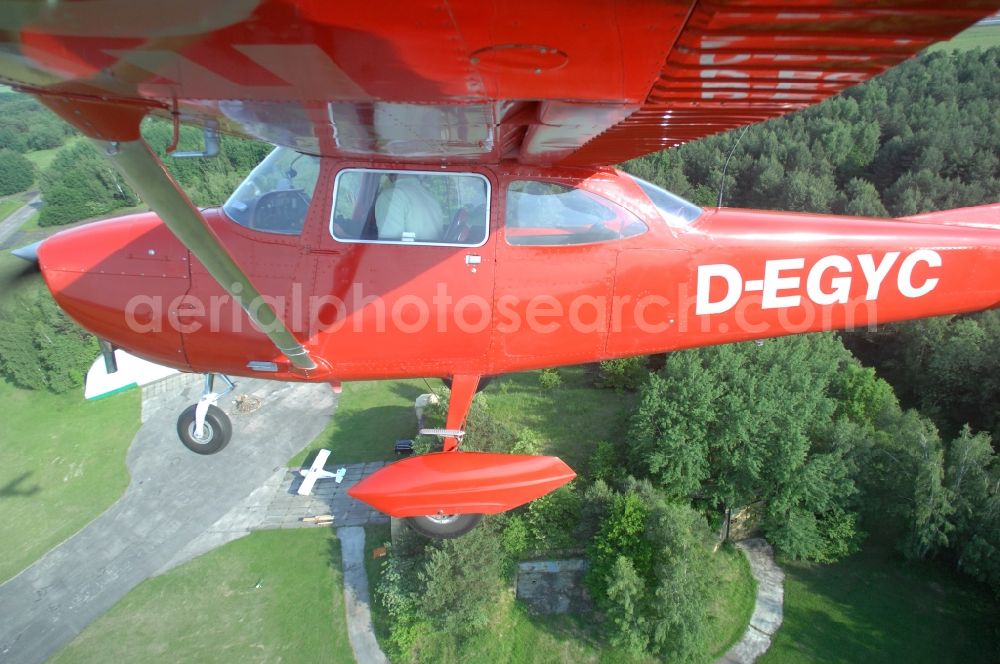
(317, 472)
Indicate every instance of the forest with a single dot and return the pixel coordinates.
(836, 437)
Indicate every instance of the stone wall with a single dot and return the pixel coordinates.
(553, 586)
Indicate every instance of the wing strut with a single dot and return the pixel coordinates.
(148, 177)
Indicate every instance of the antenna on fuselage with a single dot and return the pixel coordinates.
(722, 182)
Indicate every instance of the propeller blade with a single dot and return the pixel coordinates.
(28, 252)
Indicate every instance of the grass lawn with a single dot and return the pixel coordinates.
(62, 463)
(375, 537)
(570, 419)
(370, 417)
(42, 158)
(980, 36)
(520, 637)
(8, 205)
(62, 459)
(873, 607)
(211, 610)
(31, 223)
(734, 594)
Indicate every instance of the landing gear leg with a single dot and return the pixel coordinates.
(203, 427)
(447, 526)
(463, 389)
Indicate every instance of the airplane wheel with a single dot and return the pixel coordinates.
(483, 383)
(448, 526)
(218, 430)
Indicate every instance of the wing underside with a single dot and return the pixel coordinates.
(542, 82)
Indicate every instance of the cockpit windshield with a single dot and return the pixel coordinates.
(675, 210)
(276, 195)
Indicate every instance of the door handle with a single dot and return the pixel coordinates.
(472, 260)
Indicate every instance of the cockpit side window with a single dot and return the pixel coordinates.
(675, 210)
(551, 214)
(410, 207)
(276, 195)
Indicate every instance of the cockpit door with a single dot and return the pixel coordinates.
(556, 265)
(403, 291)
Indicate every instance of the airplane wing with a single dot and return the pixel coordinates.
(320, 461)
(308, 482)
(314, 473)
(586, 82)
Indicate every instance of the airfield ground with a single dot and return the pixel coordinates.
(54, 483)
(272, 596)
(62, 460)
(870, 607)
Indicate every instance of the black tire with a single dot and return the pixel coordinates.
(484, 381)
(444, 527)
(218, 430)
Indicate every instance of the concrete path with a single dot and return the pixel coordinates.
(276, 504)
(174, 497)
(356, 597)
(13, 222)
(287, 508)
(768, 609)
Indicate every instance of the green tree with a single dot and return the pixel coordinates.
(605, 462)
(16, 173)
(623, 374)
(680, 603)
(626, 592)
(901, 473)
(650, 575)
(552, 519)
(970, 465)
(860, 199)
(40, 348)
(861, 396)
(44, 136)
(947, 367)
(461, 580)
(736, 424)
(670, 430)
(80, 184)
(972, 476)
(621, 534)
(26, 125)
(598, 501)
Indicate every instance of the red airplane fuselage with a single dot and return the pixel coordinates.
(523, 298)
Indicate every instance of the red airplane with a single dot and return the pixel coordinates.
(441, 203)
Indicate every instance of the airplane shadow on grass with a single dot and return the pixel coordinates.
(13, 489)
(411, 392)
